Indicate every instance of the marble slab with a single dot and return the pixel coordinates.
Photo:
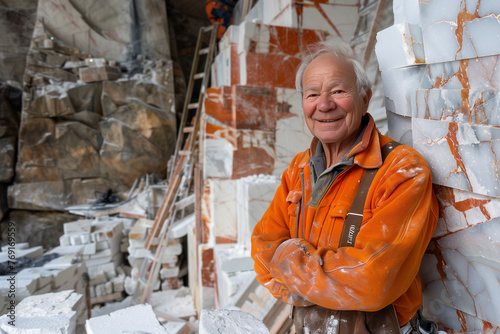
(254, 196)
(460, 210)
(447, 108)
(454, 29)
(250, 51)
(473, 106)
(399, 87)
(401, 44)
(406, 11)
(220, 211)
(265, 126)
(460, 270)
(457, 153)
(399, 128)
(292, 134)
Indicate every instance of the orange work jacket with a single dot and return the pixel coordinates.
(298, 258)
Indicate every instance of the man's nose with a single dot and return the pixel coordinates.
(326, 102)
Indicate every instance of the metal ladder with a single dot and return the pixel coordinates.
(177, 197)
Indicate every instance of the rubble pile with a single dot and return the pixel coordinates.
(58, 312)
(36, 272)
(126, 320)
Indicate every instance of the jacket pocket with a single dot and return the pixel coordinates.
(335, 223)
(293, 220)
(294, 200)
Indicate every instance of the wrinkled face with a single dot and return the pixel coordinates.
(331, 103)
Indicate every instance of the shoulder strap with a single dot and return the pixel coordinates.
(354, 218)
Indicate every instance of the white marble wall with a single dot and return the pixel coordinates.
(440, 75)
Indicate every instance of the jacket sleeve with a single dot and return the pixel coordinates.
(400, 216)
(269, 233)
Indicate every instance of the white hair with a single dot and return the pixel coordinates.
(338, 49)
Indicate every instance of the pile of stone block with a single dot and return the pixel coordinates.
(98, 244)
(138, 318)
(230, 321)
(36, 273)
(140, 259)
(440, 66)
(58, 312)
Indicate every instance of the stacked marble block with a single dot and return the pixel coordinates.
(99, 244)
(253, 128)
(37, 274)
(441, 79)
(140, 258)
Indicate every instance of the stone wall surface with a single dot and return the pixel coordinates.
(97, 109)
(440, 71)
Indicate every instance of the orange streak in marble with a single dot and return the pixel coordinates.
(463, 17)
(453, 143)
(462, 320)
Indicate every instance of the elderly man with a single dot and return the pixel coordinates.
(346, 264)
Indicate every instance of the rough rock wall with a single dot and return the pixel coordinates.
(98, 105)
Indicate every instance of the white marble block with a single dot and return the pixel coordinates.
(230, 322)
(254, 196)
(220, 210)
(467, 279)
(218, 158)
(138, 318)
(399, 45)
(448, 110)
(406, 11)
(455, 29)
(292, 134)
(457, 153)
(50, 313)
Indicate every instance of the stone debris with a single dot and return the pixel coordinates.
(230, 322)
(50, 313)
(134, 319)
(99, 243)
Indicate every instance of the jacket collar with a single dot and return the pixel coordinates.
(366, 153)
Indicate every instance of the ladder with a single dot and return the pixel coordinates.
(370, 17)
(177, 197)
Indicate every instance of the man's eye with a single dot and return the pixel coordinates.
(338, 91)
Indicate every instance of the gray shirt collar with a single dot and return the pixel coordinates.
(318, 161)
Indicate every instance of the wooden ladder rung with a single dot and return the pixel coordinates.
(208, 28)
(203, 51)
(193, 105)
(188, 129)
(200, 75)
(186, 201)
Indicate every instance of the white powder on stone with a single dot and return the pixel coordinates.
(230, 322)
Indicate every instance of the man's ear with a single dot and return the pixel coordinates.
(366, 100)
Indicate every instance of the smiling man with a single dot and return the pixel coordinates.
(344, 236)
